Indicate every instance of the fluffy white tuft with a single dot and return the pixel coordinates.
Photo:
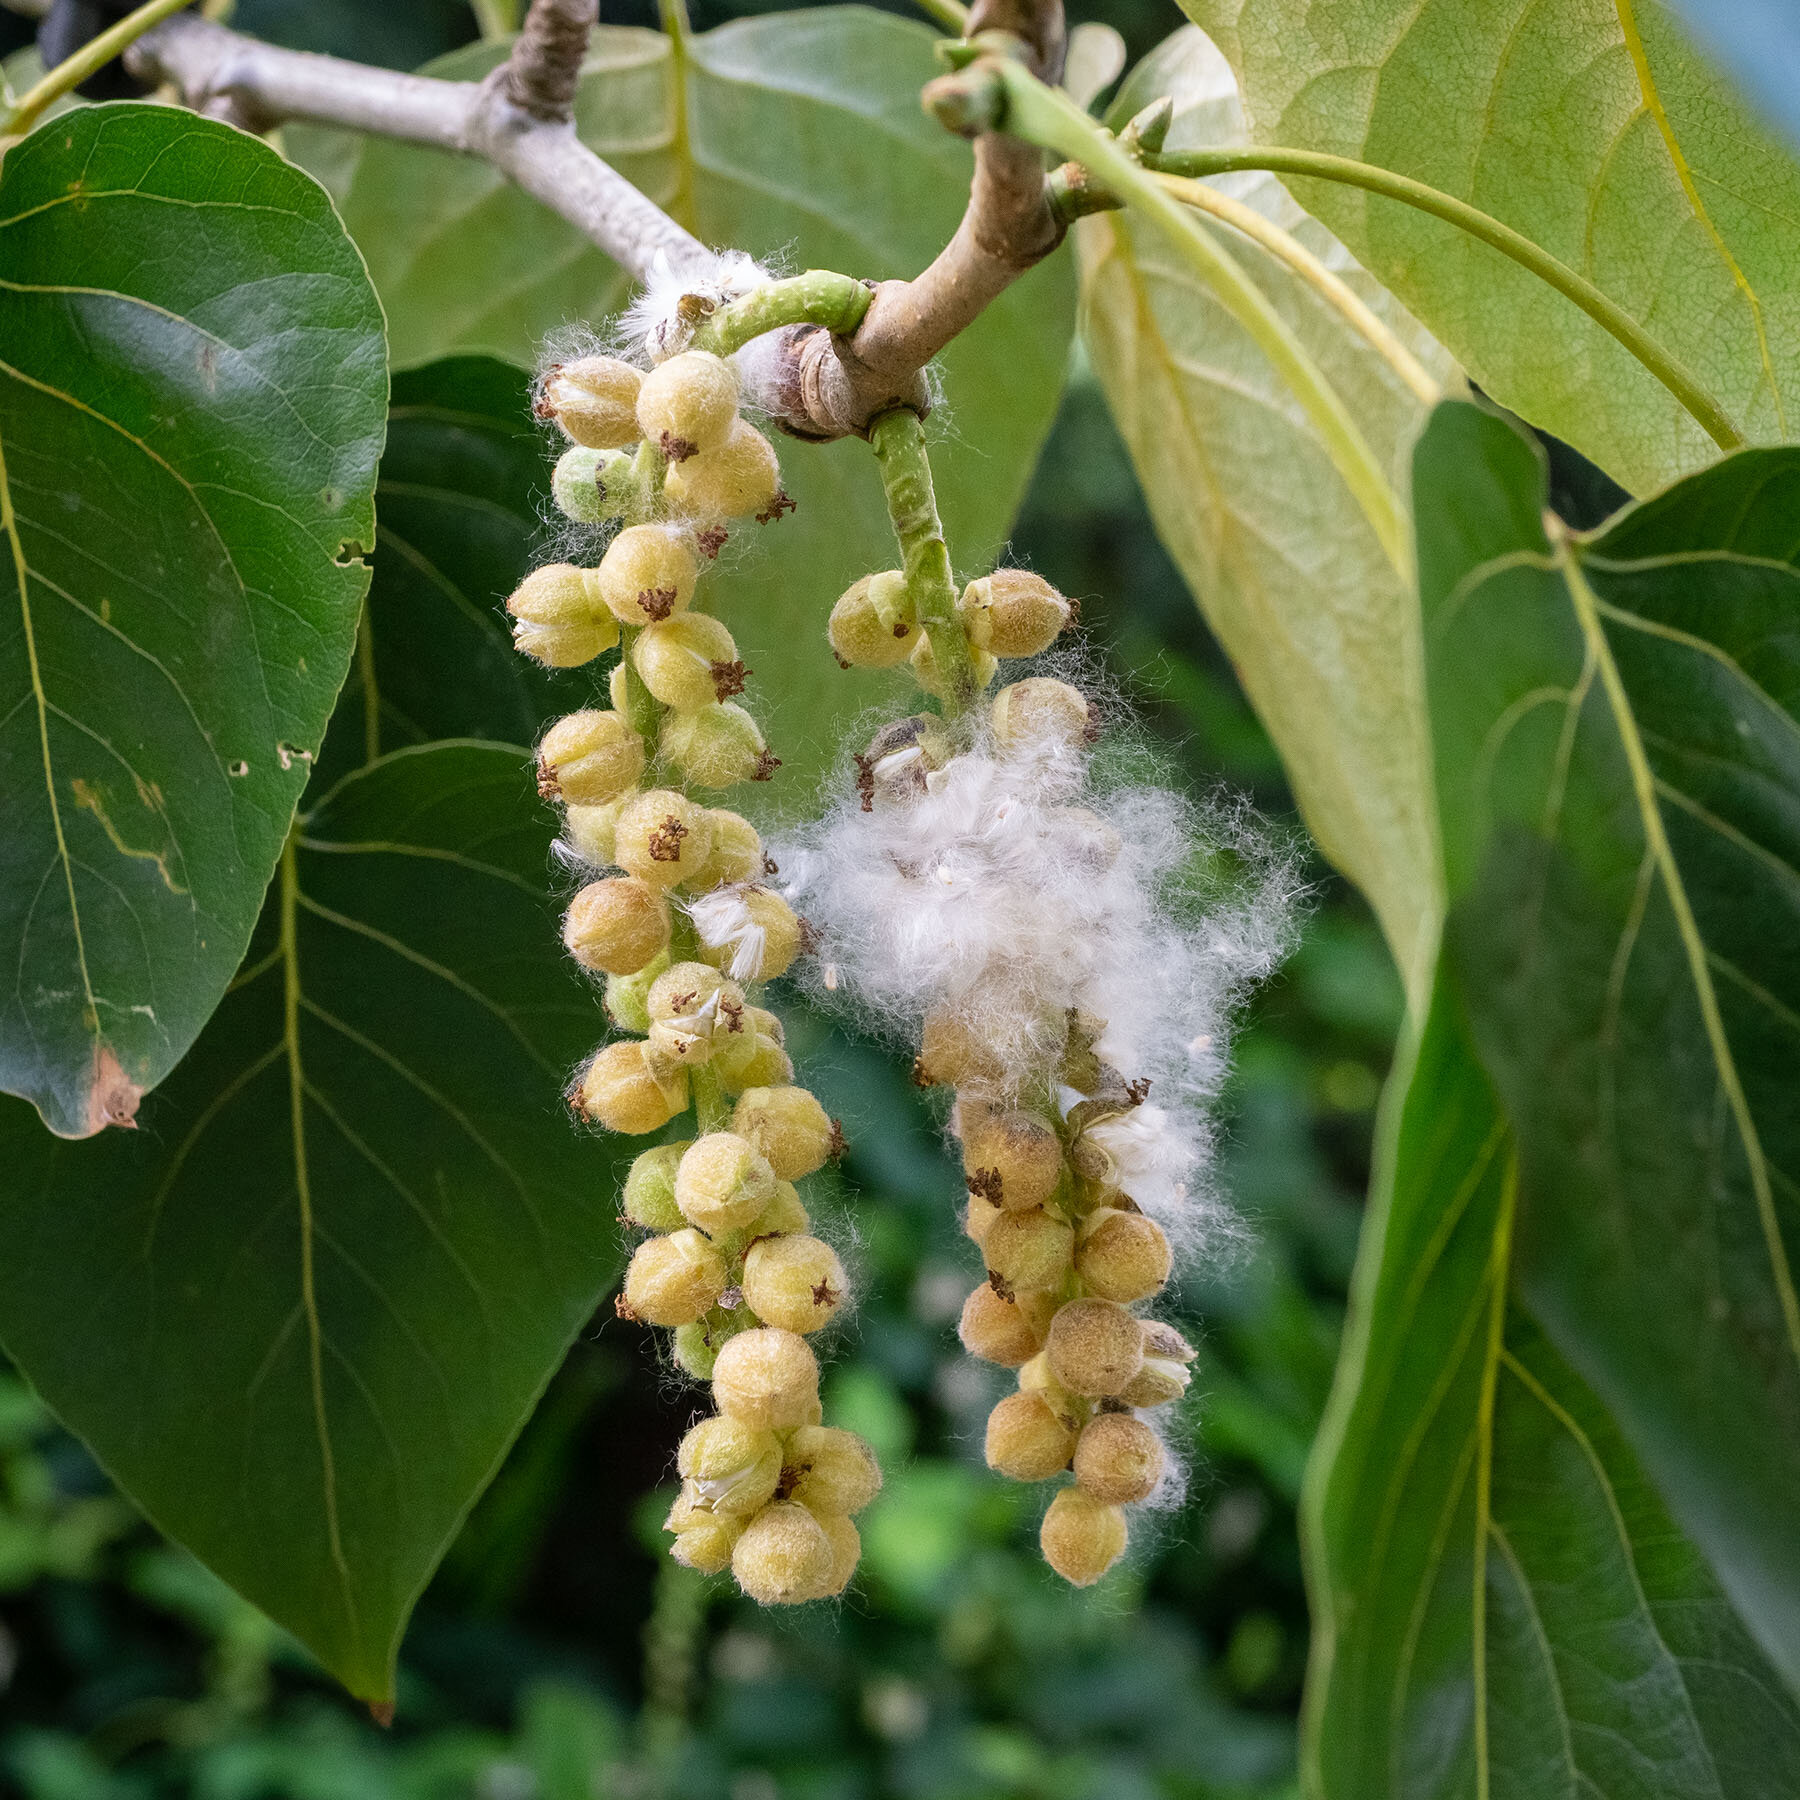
(723, 922)
(655, 325)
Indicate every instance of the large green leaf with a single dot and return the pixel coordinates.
(1503, 1606)
(301, 1314)
(1292, 579)
(192, 390)
(798, 137)
(1592, 127)
(1618, 763)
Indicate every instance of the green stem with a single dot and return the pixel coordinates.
(1605, 312)
(898, 440)
(951, 14)
(642, 713)
(711, 1107)
(496, 18)
(93, 55)
(819, 297)
(1043, 116)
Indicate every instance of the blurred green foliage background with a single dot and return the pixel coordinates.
(559, 1655)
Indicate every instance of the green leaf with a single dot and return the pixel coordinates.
(303, 1311)
(1290, 576)
(1598, 133)
(1503, 1605)
(1618, 764)
(799, 138)
(192, 391)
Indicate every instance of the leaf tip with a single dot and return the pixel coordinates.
(112, 1095)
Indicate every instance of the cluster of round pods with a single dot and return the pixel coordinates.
(683, 933)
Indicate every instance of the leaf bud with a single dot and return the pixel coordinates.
(616, 925)
(589, 757)
(649, 1196)
(1119, 1459)
(751, 931)
(628, 996)
(705, 1541)
(784, 1213)
(592, 486)
(734, 480)
(1013, 612)
(730, 1466)
(622, 1092)
(1026, 1441)
(1029, 1249)
(737, 852)
(996, 1329)
(661, 837)
(1095, 1347)
(648, 573)
(716, 746)
(558, 617)
(789, 1127)
(794, 1281)
(784, 1556)
(927, 674)
(594, 400)
(1011, 1158)
(1041, 714)
(873, 624)
(674, 1280)
(721, 1183)
(768, 1378)
(1122, 1256)
(688, 661)
(830, 1471)
(688, 404)
(1164, 1376)
(1081, 1537)
(588, 831)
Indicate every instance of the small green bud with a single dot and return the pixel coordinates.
(737, 479)
(688, 404)
(873, 624)
(730, 1466)
(784, 1556)
(784, 1213)
(1026, 1440)
(661, 837)
(1013, 613)
(830, 1471)
(674, 1280)
(753, 1057)
(696, 1349)
(1082, 1537)
(717, 746)
(1029, 1249)
(722, 1183)
(1122, 1256)
(627, 996)
(688, 661)
(648, 573)
(767, 1378)
(649, 1197)
(1095, 1347)
(794, 1281)
(705, 1542)
(789, 1127)
(616, 925)
(1119, 1459)
(589, 757)
(592, 486)
(594, 400)
(558, 617)
(622, 1092)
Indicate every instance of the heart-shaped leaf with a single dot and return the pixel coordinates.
(192, 390)
(302, 1312)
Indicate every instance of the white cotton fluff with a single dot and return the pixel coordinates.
(723, 922)
(1013, 888)
(656, 326)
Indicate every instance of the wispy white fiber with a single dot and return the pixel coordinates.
(723, 921)
(655, 325)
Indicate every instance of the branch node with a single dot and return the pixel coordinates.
(541, 74)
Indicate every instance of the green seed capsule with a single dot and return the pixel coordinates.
(688, 661)
(592, 486)
(873, 625)
(716, 746)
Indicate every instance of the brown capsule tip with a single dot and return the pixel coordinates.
(988, 1184)
(782, 503)
(676, 449)
(1000, 1284)
(657, 603)
(548, 787)
(728, 678)
(623, 1308)
(921, 1076)
(711, 541)
(837, 1144)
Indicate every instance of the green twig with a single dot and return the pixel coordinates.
(496, 18)
(951, 14)
(819, 297)
(95, 54)
(1605, 312)
(898, 440)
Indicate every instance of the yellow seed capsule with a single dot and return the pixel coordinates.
(661, 837)
(1026, 1441)
(1096, 1347)
(690, 1007)
(706, 1542)
(648, 573)
(1119, 1459)
(730, 1466)
(688, 661)
(846, 1552)
(588, 831)
(952, 1053)
(1042, 715)
(1037, 1377)
(927, 674)
(627, 996)
(784, 1556)
(717, 746)
(789, 1127)
(737, 852)
(594, 399)
(752, 1057)
(830, 1471)
(734, 480)
(796, 1282)
(589, 758)
(1082, 1537)
(722, 1183)
(616, 925)
(1011, 1158)
(1164, 1376)
(559, 618)
(767, 1378)
(1029, 1249)
(995, 1329)
(621, 1091)
(873, 624)
(750, 931)
(674, 1280)
(649, 1196)
(1013, 613)
(978, 1218)
(785, 1213)
(1122, 1256)
(688, 404)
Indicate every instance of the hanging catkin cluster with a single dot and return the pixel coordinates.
(683, 933)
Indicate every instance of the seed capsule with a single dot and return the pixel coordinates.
(789, 1127)
(622, 1092)
(1011, 1158)
(784, 1213)
(559, 618)
(696, 1349)
(628, 996)
(1026, 1441)
(751, 931)
(1029, 1249)
(873, 625)
(768, 1378)
(616, 925)
(846, 1552)
(796, 1282)
(716, 746)
(649, 1196)
(784, 1556)
(737, 852)
(1119, 1459)
(1013, 613)
(688, 404)
(589, 758)
(688, 661)
(735, 480)
(705, 1542)
(978, 1218)
(732, 1467)
(995, 1329)
(588, 831)
(594, 400)
(648, 573)
(692, 1007)
(592, 486)
(722, 1183)
(1122, 1256)
(674, 1280)
(1041, 715)
(830, 1471)
(661, 837)
(1164, 1376)
(952, 1053)
(1082, 1537)
(1095, 1347)
(753, 1057)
